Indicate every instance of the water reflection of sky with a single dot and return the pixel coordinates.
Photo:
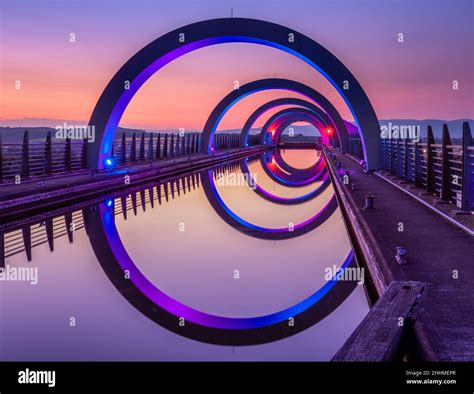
(195, 266)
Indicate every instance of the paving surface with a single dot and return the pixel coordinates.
(438, 253)
(431, 199)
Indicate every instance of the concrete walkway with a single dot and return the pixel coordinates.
(439, 254)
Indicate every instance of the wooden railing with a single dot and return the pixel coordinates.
(443, 169)
(36, 158)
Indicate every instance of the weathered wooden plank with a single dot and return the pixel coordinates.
(378, 336)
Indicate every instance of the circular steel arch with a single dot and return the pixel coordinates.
(285, 117)
(270, 84)
(284, 101)
(139, 291)
(226, 214)
(280, 171)
(141, 66)
(323, 177)
(288, 168)
(296, 178)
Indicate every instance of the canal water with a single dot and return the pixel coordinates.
(209, 242)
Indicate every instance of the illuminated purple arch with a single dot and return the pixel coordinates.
(271, 84)
(288, 168)
(282, 119)
(141, 66)
(139, 291)
(323, 177)
(286, 101)
(250, 229)
(272, 161)
(274, 169)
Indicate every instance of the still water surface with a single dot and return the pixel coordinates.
(187, 251)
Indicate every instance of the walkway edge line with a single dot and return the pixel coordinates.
(356, 225)
(442, 214)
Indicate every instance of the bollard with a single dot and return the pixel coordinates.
(400, 256)
(369, 201)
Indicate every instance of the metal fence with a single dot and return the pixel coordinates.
(444, 169)
(36, 158)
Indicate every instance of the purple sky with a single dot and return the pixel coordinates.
(61, 80)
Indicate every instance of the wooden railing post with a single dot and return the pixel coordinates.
(399, 171)
(48, 165)
(188, 144)
(406, 161)
(392, 157)
(467, 169)
(445, 193)
(142, 147)
(429, 161)
(165, 146)
(84, 153)
(67, 154)
(381, 150)
(150, 147)
(133, 148)
(172, 152)
(158, 146)
(416, 165)
(193, 144)
(123, 148)
(25, 155)
(178, 146)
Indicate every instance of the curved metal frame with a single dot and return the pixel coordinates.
(170, 313)
(282, 119)
(292, 179)
(279, 102)
(324, 178)
(271, 84)
(140, 67)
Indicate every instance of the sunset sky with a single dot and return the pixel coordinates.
(61, 80)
